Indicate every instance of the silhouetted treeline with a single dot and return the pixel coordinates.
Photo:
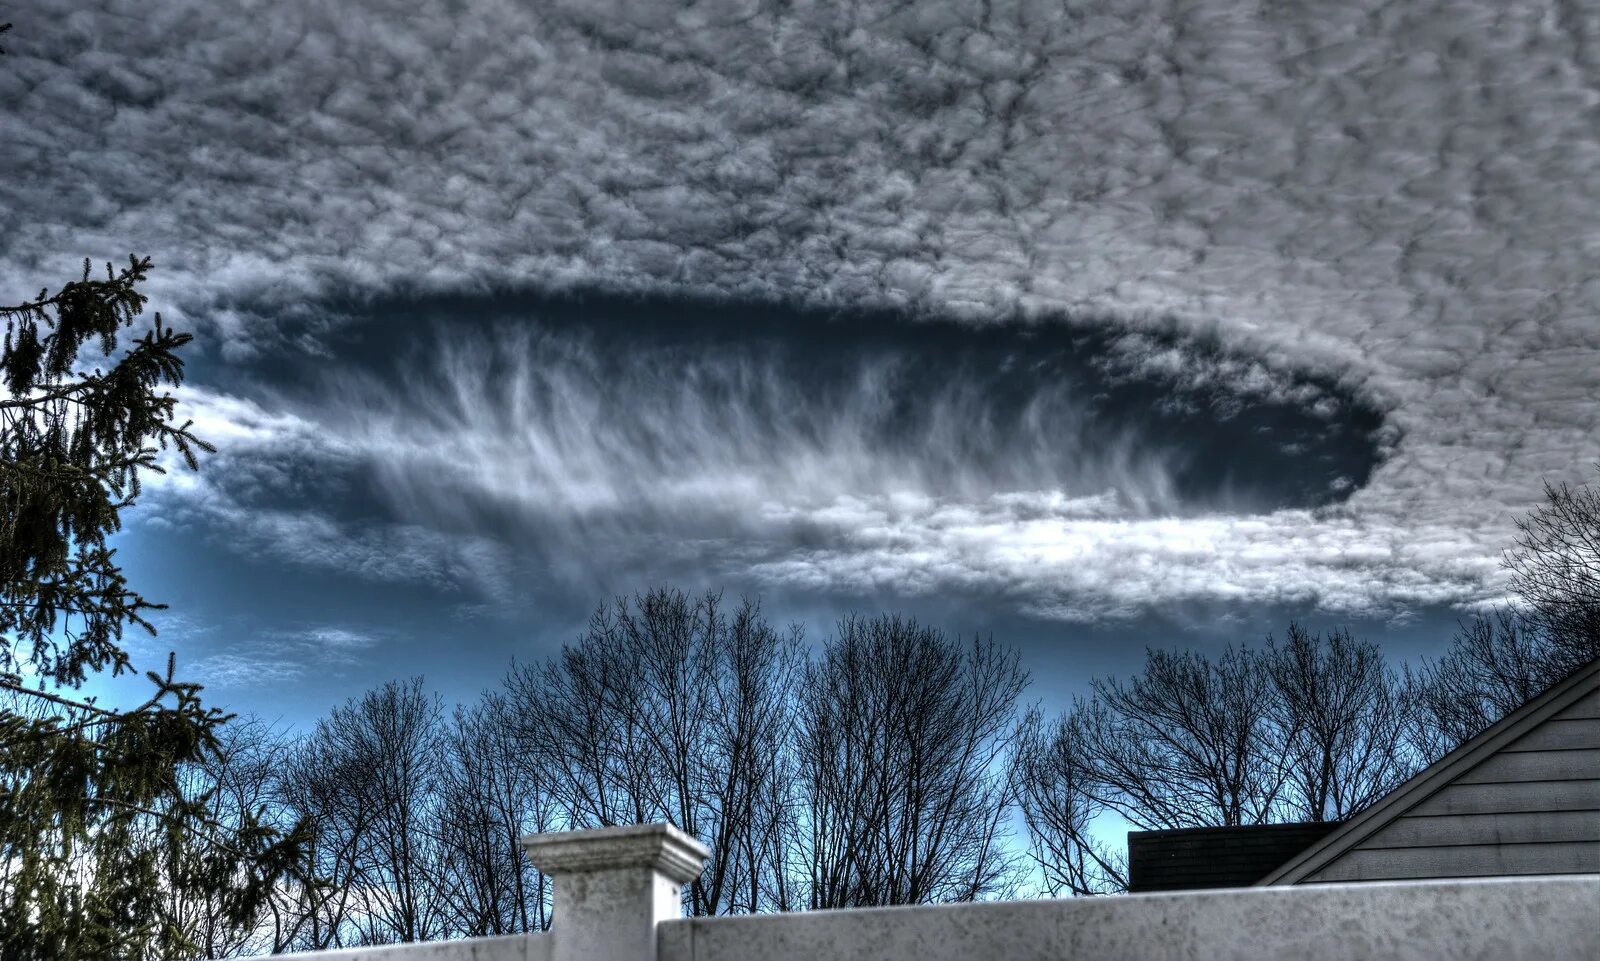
(871, 769)
(884, 765)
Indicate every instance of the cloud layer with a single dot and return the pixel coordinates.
(1398, 198)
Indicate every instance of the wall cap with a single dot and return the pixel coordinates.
(660, 846)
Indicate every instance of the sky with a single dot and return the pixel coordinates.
(1090, 325)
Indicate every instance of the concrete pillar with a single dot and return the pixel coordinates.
(612, 885)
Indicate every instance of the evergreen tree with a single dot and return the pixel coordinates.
(102, 837)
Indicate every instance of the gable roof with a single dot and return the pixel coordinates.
(1437, 775)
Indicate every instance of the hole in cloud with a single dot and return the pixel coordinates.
(594, 432)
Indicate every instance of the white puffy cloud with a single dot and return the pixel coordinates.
(1398, 196)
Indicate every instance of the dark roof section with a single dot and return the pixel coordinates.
(1233, 857)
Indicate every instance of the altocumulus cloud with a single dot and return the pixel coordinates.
(1332, 209)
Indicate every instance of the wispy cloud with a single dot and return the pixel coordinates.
(279, 655)
(232, 670)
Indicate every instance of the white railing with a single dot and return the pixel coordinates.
(617, 898)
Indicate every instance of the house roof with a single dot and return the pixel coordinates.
(1213, 857)
(1437, 775)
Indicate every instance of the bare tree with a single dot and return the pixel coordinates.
(749, 731)
(575, 715)
(669, 707)
(1555, 571)
(1501, 659)
(903, 734)
(1342, 718)
(317, 914)
(1496, 663)
(1190, 742)
(776, 873)
(489, 797)
(1059, 800)
(238, 783)
(368, 777)
(1311, 728)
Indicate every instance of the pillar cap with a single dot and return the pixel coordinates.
(660, 846)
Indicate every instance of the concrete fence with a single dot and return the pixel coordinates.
(617, 898)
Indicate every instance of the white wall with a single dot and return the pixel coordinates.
(1524, 919)
(516, 947)
(598, 919)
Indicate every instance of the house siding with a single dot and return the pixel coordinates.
(1531, 807)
